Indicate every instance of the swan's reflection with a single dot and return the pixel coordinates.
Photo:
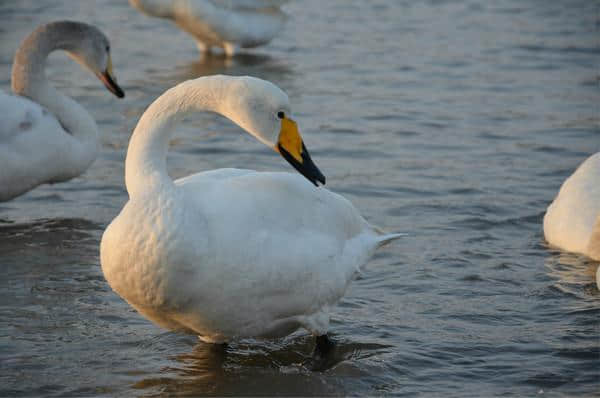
(259, 65)
(266, 368)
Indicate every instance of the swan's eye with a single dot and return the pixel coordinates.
(281, 114)
(107, 48)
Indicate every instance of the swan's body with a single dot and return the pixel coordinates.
(226, 24)
(46, 137)
(231, 253)
(572, 221)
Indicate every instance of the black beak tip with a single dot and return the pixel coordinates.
(114, 88)
(118, 92)
(320, 178)
(315, 179)
(308, 169)
(111, 85)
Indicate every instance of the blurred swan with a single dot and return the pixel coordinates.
(226, 24)
(45, 136)
(230, 253)
(572, 221)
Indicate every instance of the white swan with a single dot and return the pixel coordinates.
(230, 253)
(572, 221)
(45, 136)
(221, 23)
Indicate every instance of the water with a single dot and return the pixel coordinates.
(454, 121)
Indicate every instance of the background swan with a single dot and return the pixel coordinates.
(572, 221)
(45, 136)
(232, 253)
(221, 23)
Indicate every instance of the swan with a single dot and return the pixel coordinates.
(45, 136)
(572, 221)
(229, 253)
(226, 24)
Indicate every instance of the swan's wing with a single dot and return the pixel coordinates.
(281, 201)
(19, 116)
(248, 4)
(26, 126)
(34, 148)
(269, 216)
(295, 244)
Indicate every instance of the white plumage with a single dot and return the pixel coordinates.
(226, 24)
(35, 149)
(45, 136)
(227, 254)
(572, 221)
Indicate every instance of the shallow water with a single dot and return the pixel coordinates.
(453, 121)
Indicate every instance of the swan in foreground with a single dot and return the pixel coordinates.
(229, 253)
(572, 221)
(45, 136)
(226, 24)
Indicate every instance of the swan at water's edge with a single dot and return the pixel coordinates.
(229, 253)
(45, 136)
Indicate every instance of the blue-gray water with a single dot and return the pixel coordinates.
(453, 121)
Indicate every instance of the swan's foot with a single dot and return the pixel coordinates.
(324, 346)
(229, 48)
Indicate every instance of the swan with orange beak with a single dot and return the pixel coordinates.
(229, 254)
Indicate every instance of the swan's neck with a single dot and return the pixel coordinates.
(145, 166)
(29, 80)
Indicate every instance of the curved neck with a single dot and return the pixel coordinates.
(29, 80)
(145, 166)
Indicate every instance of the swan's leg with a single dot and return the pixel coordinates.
(324, 345)
(229, 48)
(203, 47)
(323, 356)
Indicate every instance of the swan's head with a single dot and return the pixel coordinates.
(263, 110)
(92, 50)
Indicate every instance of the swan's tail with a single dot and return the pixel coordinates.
(385, 238)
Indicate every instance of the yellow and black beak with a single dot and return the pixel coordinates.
(291, 147)
(110, 81)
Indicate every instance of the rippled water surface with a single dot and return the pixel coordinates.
(453, 121)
